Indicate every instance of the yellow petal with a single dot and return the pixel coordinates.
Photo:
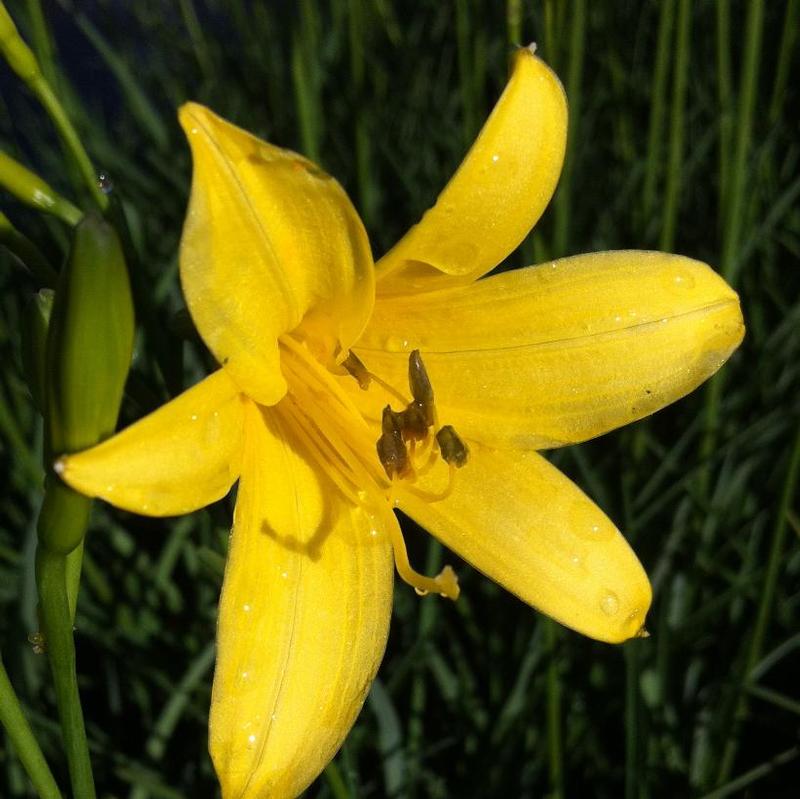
(561, 352)
(181, 457)
(498, 193)
(522, 523)
(303, 621)
(270, 243)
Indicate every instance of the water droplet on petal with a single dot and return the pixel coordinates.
(495, 158)
(609, 604)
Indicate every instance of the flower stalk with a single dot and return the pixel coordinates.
(51, 579)
(30, 189)
(22, 738)
(23, 61)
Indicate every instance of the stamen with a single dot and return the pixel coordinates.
(353, 364)
(435, 496)
(316, 373)
(388, 388)
(391, 447)
(453, 449)
(421, 388)
(339, 477)
(445, 583)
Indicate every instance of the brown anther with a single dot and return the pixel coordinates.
(453, 449)
(421, 388)
(414, 423)
(352, 363)
(391, 448)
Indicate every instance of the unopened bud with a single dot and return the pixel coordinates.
(34, 344)
(30, 189)
(89, 347)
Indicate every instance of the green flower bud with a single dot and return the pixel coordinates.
(30, 189)
(89, 347)
(35, 322)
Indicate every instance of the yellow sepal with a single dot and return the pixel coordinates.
(498, 193)
(561, 352)
(522, 523)
(181, 457)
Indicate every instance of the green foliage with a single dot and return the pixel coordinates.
(683, 135)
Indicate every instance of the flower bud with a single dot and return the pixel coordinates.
(89, 347)
(30, 189)
(35, 322)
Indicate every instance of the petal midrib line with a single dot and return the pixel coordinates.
(704, 309)
(223, 161)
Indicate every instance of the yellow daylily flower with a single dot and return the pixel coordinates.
(315, 342)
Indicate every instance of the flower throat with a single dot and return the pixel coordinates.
(337, 436)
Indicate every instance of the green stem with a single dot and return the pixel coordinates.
(658, 94)
(791, 22)
(42, 41)
(724, 95)
(631, 651)
(51, 572)
(744, 128)
(21, 736)
(514, 22)
(30, 189)
(676, 132)
(197, 38)
(22, 60)
(763, 615)
(356, 30)
(574, 73)
(734, 205)
(555, 748)
(28, 254)
(306, 81)
(465, 67)
(336, 783)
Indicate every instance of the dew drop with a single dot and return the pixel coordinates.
(576, 560)
(396, 344)
(609, 604)
(104, 183)
(495, 158)
(194, 417)
(284, 575)
(109, 489)
(246, 608)
(251, 741)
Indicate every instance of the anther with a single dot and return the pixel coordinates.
(421, 388)
(391, 448)
(452, 448)
(354, 366)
